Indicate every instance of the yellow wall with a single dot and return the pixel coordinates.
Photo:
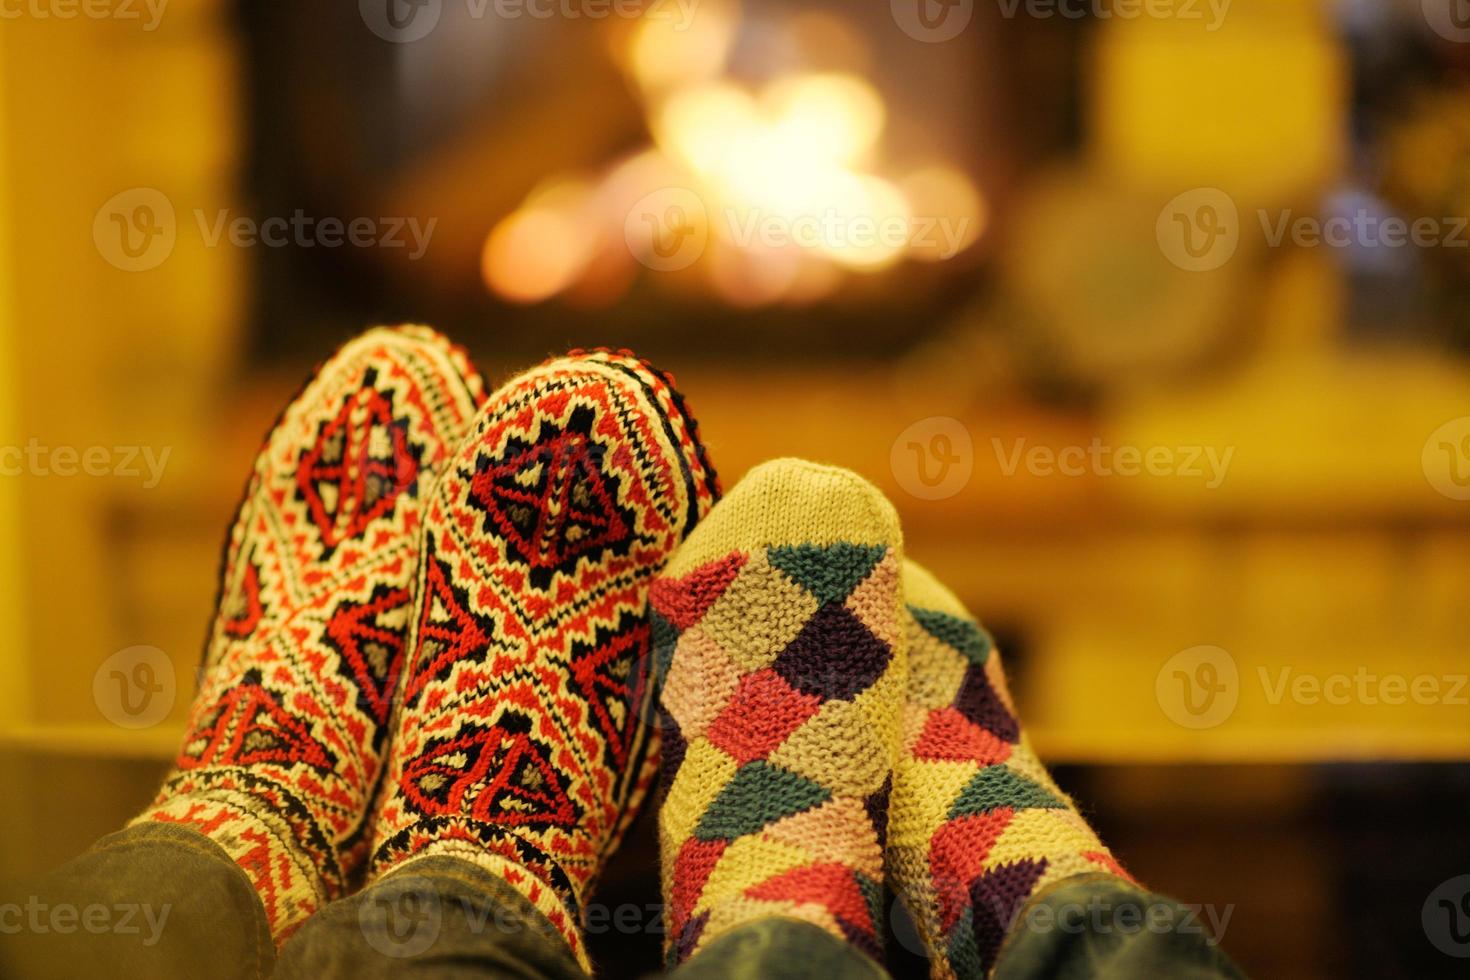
(92, 354)
(12, 587)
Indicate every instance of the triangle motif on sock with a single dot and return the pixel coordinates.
(998, 786)
(523, 788)
(675, 746)
(995, 897)
(948, 736)
(663, 638)
(437, 780)
(872, 893)
(961, 955)
(684, 601)
(960, 634)
(692, 868)
(505, 771)
(245, 609)
(876, 806)
(549, 500)
(835, 887)
(688, 938)
(361, 462)
(610, 675)
(829, 572)
(978, 701)
(369, 638)
(758, 795)
(846, 895)
(447, 631)
(957, 853)
(249, 726)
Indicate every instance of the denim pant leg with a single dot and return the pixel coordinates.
(1102, 928)
(438, 917)
(155, 901)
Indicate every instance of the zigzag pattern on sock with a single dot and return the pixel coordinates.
(977, 824)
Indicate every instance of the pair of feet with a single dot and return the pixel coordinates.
(434, 634)
(835, 721)
(432, 610)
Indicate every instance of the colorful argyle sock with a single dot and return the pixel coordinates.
(524, 742)
(777, 634)
(286, 734)
(977, 825)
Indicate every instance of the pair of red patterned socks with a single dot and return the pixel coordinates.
(432, 634)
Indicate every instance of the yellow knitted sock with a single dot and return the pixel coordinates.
(776, 627)
(977, 825)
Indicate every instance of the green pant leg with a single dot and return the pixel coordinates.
(1102, 928)
(436, 918)
(154, 901)
(779, 949)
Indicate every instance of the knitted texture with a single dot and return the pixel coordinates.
(286, 735)
(524, 741)
(777, 634)
(977, 825)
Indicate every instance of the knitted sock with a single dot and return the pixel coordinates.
(286, 734)
(977, 825)
(777, 633)
(524, 744)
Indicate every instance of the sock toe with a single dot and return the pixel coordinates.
(792, 501)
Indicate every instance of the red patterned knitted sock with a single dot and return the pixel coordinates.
(976, 826)
(287, 732)
(778, 636)
(524, 743)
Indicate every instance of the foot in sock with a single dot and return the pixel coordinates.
(976, 825)
(777, 631)
(286, 735)
(523, 743)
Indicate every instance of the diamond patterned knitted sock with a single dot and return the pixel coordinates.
(287, 731)
(777, 633)
(976, 825)
(524, 744)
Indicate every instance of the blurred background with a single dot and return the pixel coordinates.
(1152, 320)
